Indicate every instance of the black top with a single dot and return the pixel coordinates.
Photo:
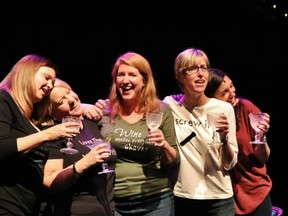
(21, 174)
(93, 193)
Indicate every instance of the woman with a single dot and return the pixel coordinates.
(74, 182)
(143, 171)
(249, 177)
(203, 184)
(22, 156)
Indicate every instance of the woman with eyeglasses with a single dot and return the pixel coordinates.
(203, 184)
(249, 177)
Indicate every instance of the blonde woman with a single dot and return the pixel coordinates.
(203, 184)
(22, 156)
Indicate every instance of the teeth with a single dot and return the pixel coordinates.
(126, 88)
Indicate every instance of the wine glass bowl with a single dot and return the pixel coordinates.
(212, 121)
(254, 119)
(105, 167)
(153, 121)
(69, 145)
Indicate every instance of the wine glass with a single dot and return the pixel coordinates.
(69, 149)
(212, 121)
(153, 121)
(105, 167)
(255, 118)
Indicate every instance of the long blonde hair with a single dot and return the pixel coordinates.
(20, 83)
(148, 100)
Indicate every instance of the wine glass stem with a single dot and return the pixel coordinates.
(257, 137)
(214, 135)
(69, 143)
(104, 166)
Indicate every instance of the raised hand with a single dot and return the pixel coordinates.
(95, 112)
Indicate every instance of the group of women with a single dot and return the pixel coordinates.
(178, 173)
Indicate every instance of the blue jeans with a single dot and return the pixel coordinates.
(217, 207)
(155, 206)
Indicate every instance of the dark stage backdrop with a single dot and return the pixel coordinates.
(245, 38)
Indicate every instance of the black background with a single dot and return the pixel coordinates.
(245, 38)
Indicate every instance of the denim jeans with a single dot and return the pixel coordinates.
(155, 206)
(218, 207)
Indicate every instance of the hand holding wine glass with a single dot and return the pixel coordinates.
(105, 167)
(69, 149)
(153, 121)
(212, 121)
(255, 119)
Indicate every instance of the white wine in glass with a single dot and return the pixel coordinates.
(254, 119)
(69, 149)
(153, 120)
(105, 167)
(212, 121)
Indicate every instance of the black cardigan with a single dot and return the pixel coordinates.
(21, 174)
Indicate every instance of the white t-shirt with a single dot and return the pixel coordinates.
(202, 174)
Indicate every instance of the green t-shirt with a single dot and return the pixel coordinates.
(139, 172)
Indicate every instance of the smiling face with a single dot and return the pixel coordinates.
(226, 91)
(64, 101)
(44, 80)
(129, 83)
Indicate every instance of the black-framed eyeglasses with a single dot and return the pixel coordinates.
(192, 70)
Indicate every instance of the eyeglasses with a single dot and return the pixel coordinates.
(192, 70)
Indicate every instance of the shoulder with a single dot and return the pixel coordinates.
(216, 105)
(246, 102)
(248, 105)
(220, 103)
(164, 105)
(91, 127)
(173, 99)
(165, 108)
(167, 98)
(4, 95)
(6, 101)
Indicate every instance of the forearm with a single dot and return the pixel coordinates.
(31, 141)
(227, 155)
(169, 155)
(262, 152)
(59, 179)
(229, 149)
(62, 180)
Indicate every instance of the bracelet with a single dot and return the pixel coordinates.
(75, 171)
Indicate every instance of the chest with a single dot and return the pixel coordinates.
(132, 118)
